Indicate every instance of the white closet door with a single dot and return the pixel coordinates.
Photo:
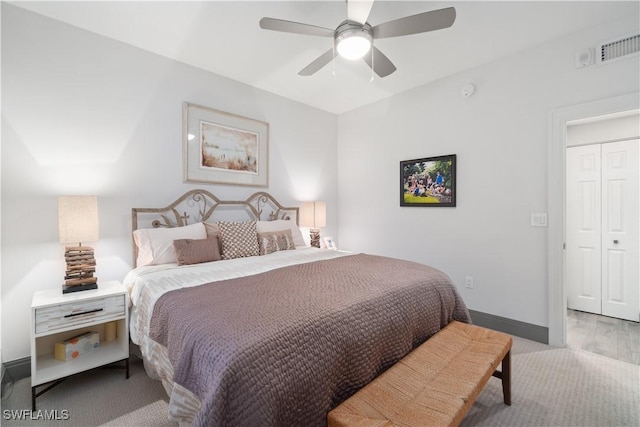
(620, 230)
(583, 228)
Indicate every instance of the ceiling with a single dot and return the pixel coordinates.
(224, 37)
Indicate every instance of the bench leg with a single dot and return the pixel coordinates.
(505, 376)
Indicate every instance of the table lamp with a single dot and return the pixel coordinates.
(77, 223)
(314, 216)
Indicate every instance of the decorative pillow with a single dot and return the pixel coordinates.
(189, 251)
(282, 224)
(214, 231)
(239, 239)
(155, 245)
(274, 241)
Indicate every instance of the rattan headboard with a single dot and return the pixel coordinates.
(200, 205)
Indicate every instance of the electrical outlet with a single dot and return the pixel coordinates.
(468, 282)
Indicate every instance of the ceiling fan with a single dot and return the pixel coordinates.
(353, 38)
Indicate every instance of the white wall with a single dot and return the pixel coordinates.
(83, 114)
(604, 129)
(500, 138)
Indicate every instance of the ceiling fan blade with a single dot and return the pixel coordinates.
(358, 10)
(414, 24)
(294, 27)
(381, 65)
(320, 62)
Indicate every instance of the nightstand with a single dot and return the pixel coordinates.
(56, 317)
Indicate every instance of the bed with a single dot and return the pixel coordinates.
(245, 325)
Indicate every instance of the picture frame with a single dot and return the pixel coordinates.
(224, 148)
(329, 243)
(428, 182)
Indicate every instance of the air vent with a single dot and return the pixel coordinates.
(619, 48)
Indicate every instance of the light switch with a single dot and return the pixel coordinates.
(539, 219)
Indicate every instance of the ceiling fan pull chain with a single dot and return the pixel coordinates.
(372, 64)
(333, 61)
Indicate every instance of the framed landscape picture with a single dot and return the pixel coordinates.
(223, 148)
(430, 181)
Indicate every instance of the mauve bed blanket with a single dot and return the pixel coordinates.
(282, 348)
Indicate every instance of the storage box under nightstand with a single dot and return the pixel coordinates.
(73, 347)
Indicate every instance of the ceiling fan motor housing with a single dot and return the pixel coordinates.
(350, 31)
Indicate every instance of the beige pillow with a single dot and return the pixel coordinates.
(275, 241)
(213, 231)
(190, 251)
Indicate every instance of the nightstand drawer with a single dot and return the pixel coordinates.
(79, 313)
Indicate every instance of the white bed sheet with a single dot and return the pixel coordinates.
(147, 284)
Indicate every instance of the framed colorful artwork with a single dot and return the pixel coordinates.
(430, 181)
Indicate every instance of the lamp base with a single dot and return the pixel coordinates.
(80, 268)
(315, 237)
(66, 289)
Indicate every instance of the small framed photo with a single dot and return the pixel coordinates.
(329, 243)
(430, 181)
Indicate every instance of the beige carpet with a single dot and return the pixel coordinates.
(561, 387)
(94, 398)
(551, 387)
(153, 415)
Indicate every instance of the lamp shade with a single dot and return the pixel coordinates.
(77, 219)
(314, 214)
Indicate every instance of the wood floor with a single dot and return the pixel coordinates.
(614, 338)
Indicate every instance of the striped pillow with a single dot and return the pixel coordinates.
(274, 241)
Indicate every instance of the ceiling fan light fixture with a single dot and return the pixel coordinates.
(353, 41)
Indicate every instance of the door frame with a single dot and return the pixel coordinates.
(556, 188)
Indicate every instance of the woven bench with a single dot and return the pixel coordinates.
(435, 384)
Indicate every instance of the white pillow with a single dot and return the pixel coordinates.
(155, 245)
(282, 224)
